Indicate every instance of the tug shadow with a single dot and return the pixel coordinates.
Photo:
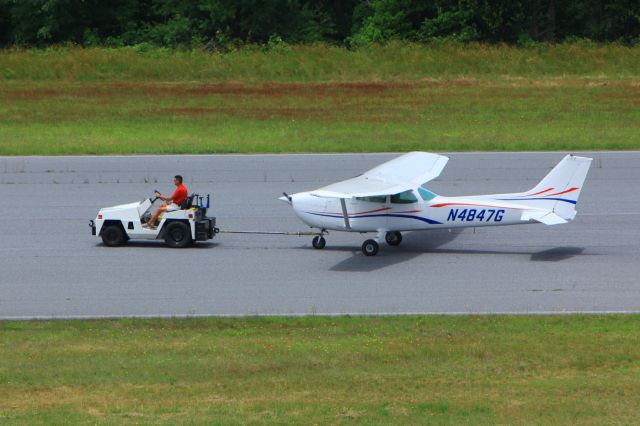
(159, 244)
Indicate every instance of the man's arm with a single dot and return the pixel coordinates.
(165, 197)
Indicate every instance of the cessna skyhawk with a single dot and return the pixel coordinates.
(391, 198)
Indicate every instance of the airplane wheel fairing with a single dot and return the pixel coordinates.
(318, 242)
(370, 248)
(113, 235)
(177, 234)
(393, 238)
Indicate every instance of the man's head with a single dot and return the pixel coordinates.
(177, 179)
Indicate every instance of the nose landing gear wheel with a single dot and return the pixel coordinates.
(393, 238)
(370, 248)
(318, 242)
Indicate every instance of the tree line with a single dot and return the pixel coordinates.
(220, 24)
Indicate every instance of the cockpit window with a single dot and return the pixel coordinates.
(405, 197)
(426, 194)
(374, 199)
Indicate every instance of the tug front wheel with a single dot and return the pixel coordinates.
(318, 242)
(370, 248)
(177, 234)
(113, 235)
(393, 238)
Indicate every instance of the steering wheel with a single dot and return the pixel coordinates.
(153, 200)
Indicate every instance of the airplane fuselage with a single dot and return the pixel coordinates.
(408, 213)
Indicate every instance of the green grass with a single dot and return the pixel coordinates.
(318, 370)
(321, 63)
(319, 99)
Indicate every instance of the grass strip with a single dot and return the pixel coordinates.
(197, 118)
(323, 370)
(397, 97)
(396, 61)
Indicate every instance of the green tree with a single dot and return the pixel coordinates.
(383, 20)
(221, 22)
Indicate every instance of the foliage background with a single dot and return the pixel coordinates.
(223, 24)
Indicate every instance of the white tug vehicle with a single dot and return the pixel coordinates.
(180, 228)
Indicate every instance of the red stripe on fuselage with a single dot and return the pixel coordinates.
(563, 192)
(537, 193)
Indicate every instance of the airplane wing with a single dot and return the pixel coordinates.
(400, 174)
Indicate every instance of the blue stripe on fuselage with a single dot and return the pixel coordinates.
(424, 219)
(532, 199)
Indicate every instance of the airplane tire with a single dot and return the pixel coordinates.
(177, 235)
(393, 238)
(318, 242)
(113, 235)
(370, 248)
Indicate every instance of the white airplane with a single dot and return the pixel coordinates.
(391, 198)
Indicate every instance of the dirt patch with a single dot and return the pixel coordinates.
(385, 89)
(31, 94)
(255, 113)
(271, 90)
(234, 89)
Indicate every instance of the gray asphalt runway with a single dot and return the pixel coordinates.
(52, 267)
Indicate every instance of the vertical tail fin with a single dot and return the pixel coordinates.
(560, 188)
(558, 191)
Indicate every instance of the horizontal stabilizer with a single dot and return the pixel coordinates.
(548, 218)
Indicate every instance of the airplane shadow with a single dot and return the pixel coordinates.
(418, 243)
(413, 244)
(556, 254)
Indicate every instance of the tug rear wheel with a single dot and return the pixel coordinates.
(370, 248)
(393, 238)
(318, 242)
(113, 235)
(177, 235)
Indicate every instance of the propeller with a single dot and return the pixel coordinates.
(286, 198)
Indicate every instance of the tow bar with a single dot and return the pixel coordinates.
(295, 234)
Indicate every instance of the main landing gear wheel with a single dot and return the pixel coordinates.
(370, 248)
(177, 235)
(113, 235)
(393, 238)
(318, 242)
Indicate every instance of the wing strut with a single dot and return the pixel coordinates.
(345, 214)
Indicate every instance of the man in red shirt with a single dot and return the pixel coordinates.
(172, 202)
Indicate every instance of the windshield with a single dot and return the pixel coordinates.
(426, 195)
